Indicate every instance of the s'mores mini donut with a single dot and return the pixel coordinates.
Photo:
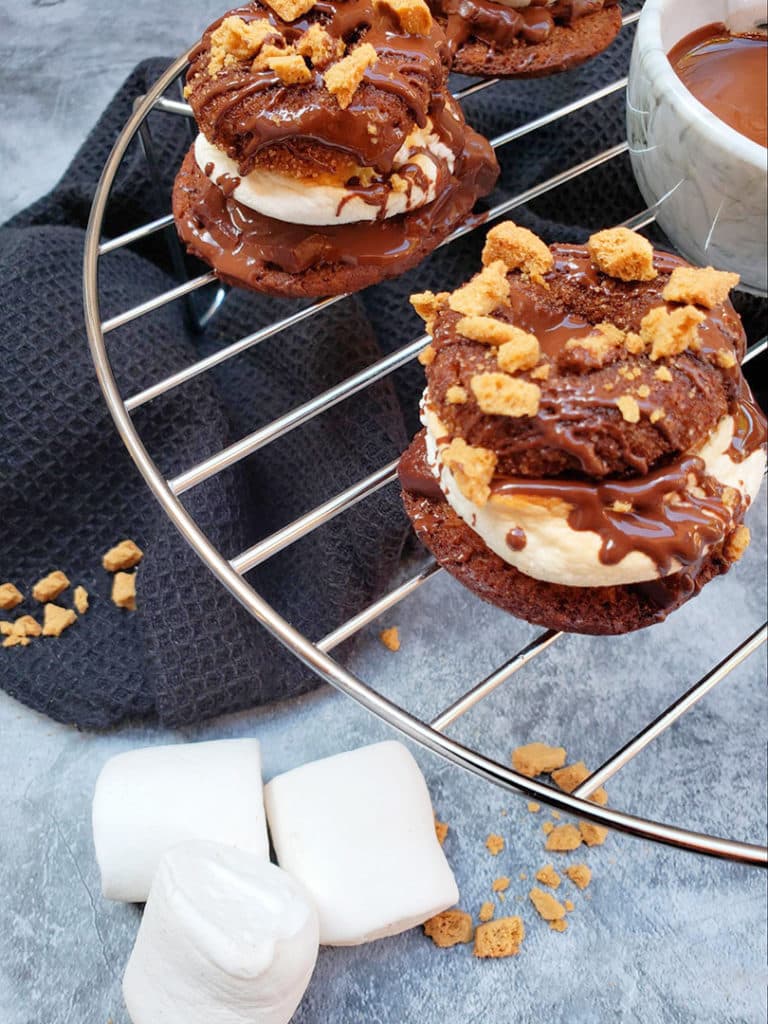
(330, 155)
(590, 445)
(526, 38)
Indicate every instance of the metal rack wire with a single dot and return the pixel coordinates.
(231, 571)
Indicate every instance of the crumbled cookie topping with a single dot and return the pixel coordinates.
(390, 638)
(343, 77)
(57, 619)
(485, 292)
(494, 844)
(737, 543)
(701, 286)
(472, 468)
(290, 10)
(628, 408)
(124, 591)
(290, 68)
(124, 555)
(450, 928)
(547, 907)
(413, 16)
(669, 334)
(602, 345)
(573, 775)
(537, 758)
(521, 348)
(319, 46)
(456, 395)
(428, 305)
(427, 355)
(519, 249)
(49, 588)
(541, 372)
(725, 359)
(236, 40)
(623, 254)
(502, 395)
(564, 838)
(10, 597)
(548, 876)
(579, 874)
(499, 938)
(520, 352)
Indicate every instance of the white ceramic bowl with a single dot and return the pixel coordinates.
(709, 180)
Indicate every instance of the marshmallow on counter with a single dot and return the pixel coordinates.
(358, 831)
(148, 800)
(226, 938)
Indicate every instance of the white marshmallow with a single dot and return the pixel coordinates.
(358, 830)
(148, 800)
(226, 938)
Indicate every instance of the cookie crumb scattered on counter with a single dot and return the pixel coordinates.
(548, 876)
(487, 910)
(499, 938)
(81, 600)
(57, 619)
(523, 876)
(50, 587)
(124, 555)
(124, 591)
(441, 831)
(10, 597)
(547, 828)
(26, 626)
(537, 758)
(451, 928)
(390, 638)
(593, 835)
(573, 775)
(568, 904)
(494, 844)
(564, 838)
(500, 884)
(15, 640)
(534, 808)
(555, 815)
(547, 907)
(559, 925)
(579, 874)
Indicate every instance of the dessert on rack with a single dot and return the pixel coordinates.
(331, 155)
(590, 445)
(525, 38)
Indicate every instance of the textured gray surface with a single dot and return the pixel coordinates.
(660, 936)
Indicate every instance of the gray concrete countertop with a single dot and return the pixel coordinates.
(660, 936)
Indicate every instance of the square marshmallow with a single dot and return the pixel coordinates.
(358, 831)
(149, 800)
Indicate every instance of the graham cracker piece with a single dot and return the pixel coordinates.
(669, 334)
(6, 628)
(656, 415)
(521, 349)
(737, 543)
(569, 905)
(124, 555)
(548, 876)
(472, 468)
(343, 77)
(541, 372)
(290, 10)
(81, 600)
(500, 884)
(235, 40)
(265, 55)
(602, 344)
(499, 938)
(456, 395)
(10, 597)
(290, 68)
(629, 409)
(579, 874)
(537, 758)
(427, 355)
(643, 391)
(634, 344)
(593, 835)
(26, 626)
(428, 305)
(390, 638)
(57, 619)
(725, 359)
(501, 395)
(413, 16)
(487, 910)
(450, 928)
(49, 588)
(319, 46)
(564, 838)
(623, 254)
(547, 907)
(441, 831)
(533, 807)
(14, 640)
(519, 249)
(485, 292)
(572, 776)
(559, 925)
(547, 828)
(494, 844)
(520, 352)
(124, 591)
(700, 286)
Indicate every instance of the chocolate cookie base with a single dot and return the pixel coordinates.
(208, 223)
(567, 47)
(593, 610)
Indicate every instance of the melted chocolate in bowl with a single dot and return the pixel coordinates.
(728, 74)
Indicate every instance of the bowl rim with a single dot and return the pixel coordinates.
(651, 50)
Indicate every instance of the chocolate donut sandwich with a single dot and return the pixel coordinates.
(330, 155)
(590, 445)
(525, 38)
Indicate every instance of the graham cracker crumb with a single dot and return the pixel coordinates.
(537, 758)
(519, 249)
(573, 775)
(547, 907)
(343, 78)
(663, 373)
(621, 506)
(26, 626)
(6, 628)
(428, 305)
(456, 395)
(235, 40)
(559, 925)
(669, 334)
(521, 352)
(290, 10)
(494, 844)
(49, 588)
(57, 619)
(548, 876)
(656, 415)
(427, 355)
(569, 905)
(520, 349)
(541, 372)
(580, 875)
(319, 46)
(499, 938)
(731, 497)
(291, 69)
(601, 345)
(124, 555)
(450, 928)
(737, 543)
(628, 408)
(547, 828)
(555, 815)
(413, 16)
(564, 838)
(10, 597)
(81, 600)
(500, 884)
(523, 876)
(643, 391)
(487, 910)
(725, 359)
(701, 286)
(390, 638)
(485, 292)
(622, 253)
(124, 591)
(633, 343)
(14, 640)
(441, 831)
(534, 808)
(593, 835)
(501, 395)
(267, 53)
(472, 468)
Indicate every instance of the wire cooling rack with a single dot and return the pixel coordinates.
(231, 571)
